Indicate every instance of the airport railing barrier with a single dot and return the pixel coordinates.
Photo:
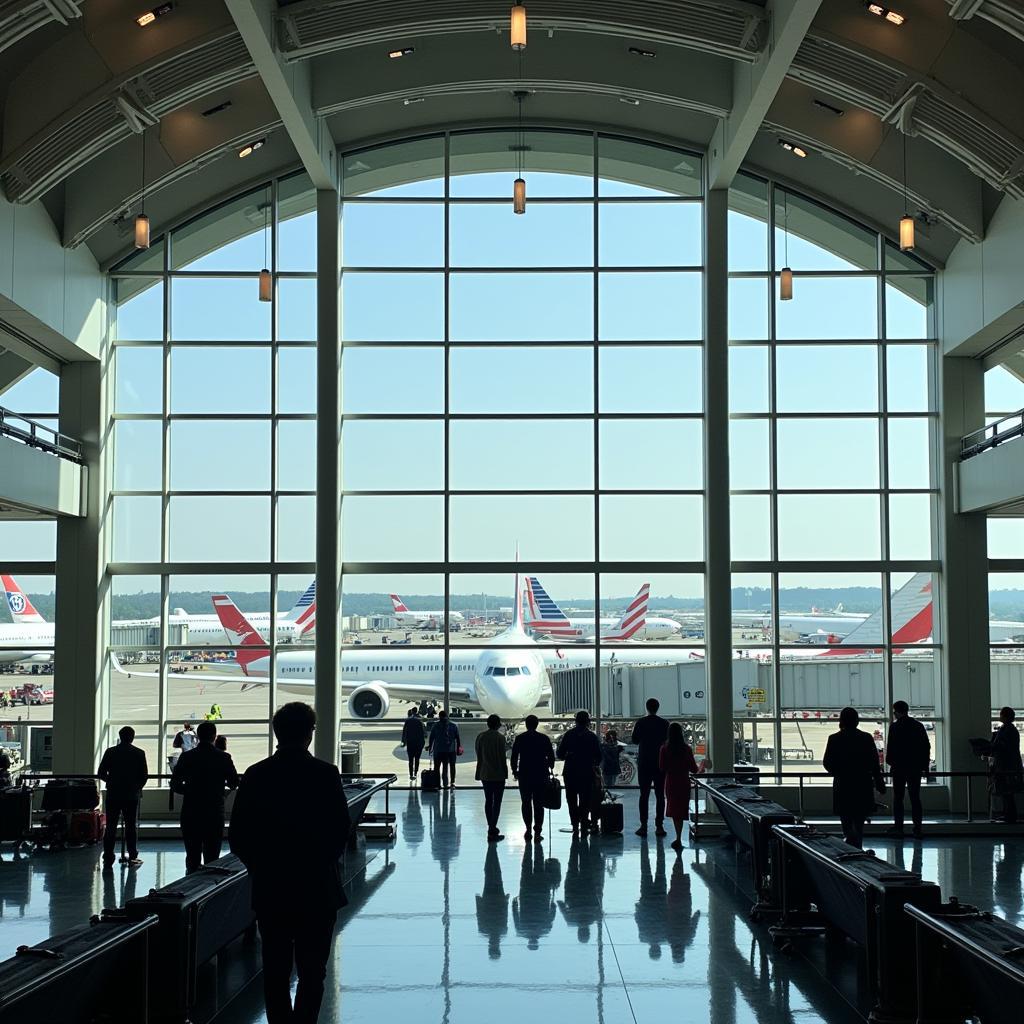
(992, 435)
(750, 818)
(98, 971)
(38, 435)
(970, 966)
(824, 882)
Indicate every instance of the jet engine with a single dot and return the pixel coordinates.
(369, 701)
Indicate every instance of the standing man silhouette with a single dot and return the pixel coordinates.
(202, 775)
(413, 739)
(852, 761)
(649, 734)
(289, 826)
(124, 770)
(908, 753)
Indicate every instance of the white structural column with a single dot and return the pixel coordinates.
(328, 472)
(964, 606)
(717, 548)
(81, 607)
(754, 87)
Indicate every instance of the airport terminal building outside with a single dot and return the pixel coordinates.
(554, 395)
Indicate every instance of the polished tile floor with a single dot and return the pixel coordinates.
(444, 927)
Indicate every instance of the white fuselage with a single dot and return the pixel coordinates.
(408, 618)
(206, 630)
(14, 638)
(654, 628)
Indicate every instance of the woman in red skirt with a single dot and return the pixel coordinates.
(677, 764)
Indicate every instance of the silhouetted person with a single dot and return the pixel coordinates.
(533, 910)
(124, 771)
(533, 761)
(852, 761)
(289, 826)
(202, 775)
(444, 745)
(680, 917)
(649, 734)
(492, 905)
(414, 738)
(5, 771)
(676, 762)
(908, 755)
(491, 773)
(611, 758)
(580, 749)
(221, 742)
(1006, 764)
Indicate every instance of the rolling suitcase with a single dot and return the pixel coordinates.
(610, 817)
(430, 779)
(553, 794)
(15, 814)
(86, 826)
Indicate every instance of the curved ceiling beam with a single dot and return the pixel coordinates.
(112, 113)
(916, 103)
(1005, 14)
(20, 18)
(727, 27)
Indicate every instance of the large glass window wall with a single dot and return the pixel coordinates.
(522, 394)
(833, 425)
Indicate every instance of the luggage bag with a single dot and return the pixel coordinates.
(430, 779)
(86, 826)
(610, 817)
(15, 814)
(553, 794)
(71, 795)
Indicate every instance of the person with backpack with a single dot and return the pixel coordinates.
(124, 770)
(413, 739)
(533, 761)
(444, 744)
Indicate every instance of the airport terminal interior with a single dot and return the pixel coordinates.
(474, 359)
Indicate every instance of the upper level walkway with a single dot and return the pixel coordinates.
(990, 474)
(42, 472)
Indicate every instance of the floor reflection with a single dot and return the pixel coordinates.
(447, 927)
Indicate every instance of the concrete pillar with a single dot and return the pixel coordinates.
(328, 468)
(963, 613)
(718, 584)
(79, 642)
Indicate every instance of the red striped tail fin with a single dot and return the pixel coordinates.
(633, 618)
(240, 632)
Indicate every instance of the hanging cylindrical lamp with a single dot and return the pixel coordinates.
(519, 195)
(266, 278)
(906, 233)
(517, 25)
(786, 274)
(141, 220)
(906, 221)
(785, 284)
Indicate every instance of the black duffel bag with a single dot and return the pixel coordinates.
(553, 794)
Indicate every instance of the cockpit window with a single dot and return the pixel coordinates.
(498, 670)
(526, 670)
(512, 672)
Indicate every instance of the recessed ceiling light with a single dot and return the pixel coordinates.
(828, 106)
(410, 100)
(404, 52)
(250, 147)
(891, 16)
(149, 17)
(637, 52)
(791, 147)
(630, 100)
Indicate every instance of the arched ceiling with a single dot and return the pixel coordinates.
(84, 87)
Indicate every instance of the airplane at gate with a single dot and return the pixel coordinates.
(433, 619)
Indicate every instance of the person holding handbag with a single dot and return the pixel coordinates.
(445, 745)
(533, 761)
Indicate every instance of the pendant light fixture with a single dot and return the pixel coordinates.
(786, 276)
(517, 28)
(906, 221)
(266, 280)
(519, 185)
(141, 220)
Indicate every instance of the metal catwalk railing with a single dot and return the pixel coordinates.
(38, 435)
(992, 435)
